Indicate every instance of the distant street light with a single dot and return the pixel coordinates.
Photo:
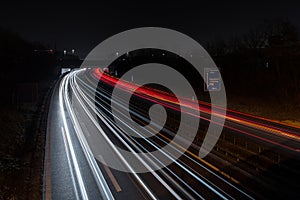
(65, 52)
(73, 51)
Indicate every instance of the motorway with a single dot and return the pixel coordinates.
(84, 161)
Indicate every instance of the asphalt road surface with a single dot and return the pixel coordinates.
(84, 142)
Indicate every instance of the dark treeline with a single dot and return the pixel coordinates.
(265, 62)
(25, 67)
(23, 62)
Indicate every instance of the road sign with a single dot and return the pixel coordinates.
(212, 80)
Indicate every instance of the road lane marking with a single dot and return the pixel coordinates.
(111, 176)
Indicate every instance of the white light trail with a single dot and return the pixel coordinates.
(70, 144)
(100, 180)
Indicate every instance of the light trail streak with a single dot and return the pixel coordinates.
(143, 93)
(113, 128)
(115, 149)
(70, 144)
(195, 156)
(164, 99)
(100, 180)
(183, 166)
(69, 162)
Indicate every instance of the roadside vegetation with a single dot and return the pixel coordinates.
(261, 70)
(26, 73)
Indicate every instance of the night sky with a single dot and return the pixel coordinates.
(81, 26)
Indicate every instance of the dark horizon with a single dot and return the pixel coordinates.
(82, 26)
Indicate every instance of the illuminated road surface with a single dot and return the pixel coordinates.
(73, 170)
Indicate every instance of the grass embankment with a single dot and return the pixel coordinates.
(22, 133)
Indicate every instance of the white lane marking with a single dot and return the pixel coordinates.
(111, 176)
